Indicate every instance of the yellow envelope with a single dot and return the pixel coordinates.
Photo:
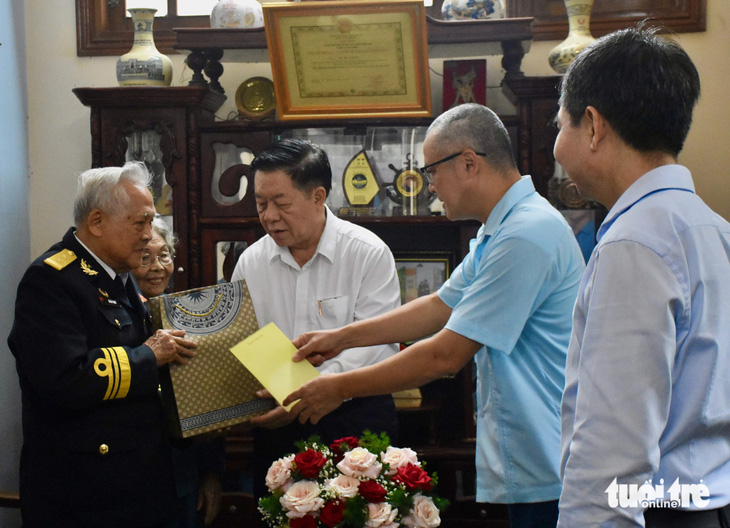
(267, 355)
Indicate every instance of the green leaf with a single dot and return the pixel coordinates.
(374, 443)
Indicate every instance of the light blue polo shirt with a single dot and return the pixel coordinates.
(514, 293)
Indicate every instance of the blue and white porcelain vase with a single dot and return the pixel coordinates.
(472, 9)
(143, 64)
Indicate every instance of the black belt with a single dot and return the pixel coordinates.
(668, 518)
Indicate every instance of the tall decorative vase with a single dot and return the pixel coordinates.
(143, 64)
(579, 35)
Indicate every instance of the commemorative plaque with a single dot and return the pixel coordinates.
(359, 181)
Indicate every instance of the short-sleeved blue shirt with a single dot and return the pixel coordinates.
(514, 293)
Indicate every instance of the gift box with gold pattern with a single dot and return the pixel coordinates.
(214, 390)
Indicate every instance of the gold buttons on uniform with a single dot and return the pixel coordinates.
(117, 321)
(103, 449)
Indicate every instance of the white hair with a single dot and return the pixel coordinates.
(101, 189)
(163, 229)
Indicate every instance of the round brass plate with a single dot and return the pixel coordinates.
(569, 195)
(255, 98)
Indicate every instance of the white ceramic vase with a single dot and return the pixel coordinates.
(472, 9)
(143, 64)
(579, 35)
(237, 14)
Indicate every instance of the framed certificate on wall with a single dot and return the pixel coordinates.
(349, 59)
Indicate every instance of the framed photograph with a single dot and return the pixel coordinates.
(422, 273)
(465, 81)
(349, 58)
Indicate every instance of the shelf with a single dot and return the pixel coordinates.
(439, 32)
(509, 37)
(150, 97)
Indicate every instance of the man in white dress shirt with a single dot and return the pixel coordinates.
(314, 271)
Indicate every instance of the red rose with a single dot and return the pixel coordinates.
(331, 513)
(351, 442)
(372, 491)
(303, 522)
(413, 477)
(309, 462)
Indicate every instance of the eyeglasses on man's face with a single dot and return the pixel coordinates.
(426, 169)
(164, 258)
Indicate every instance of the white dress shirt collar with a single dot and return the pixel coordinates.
(327, 245)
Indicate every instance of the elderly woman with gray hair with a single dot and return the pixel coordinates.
(198, 464)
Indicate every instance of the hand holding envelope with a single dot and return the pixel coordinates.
(267, 354)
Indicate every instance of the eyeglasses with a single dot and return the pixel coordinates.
(164, 258)
(426, 170)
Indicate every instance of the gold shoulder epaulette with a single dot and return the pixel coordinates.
(61, 259)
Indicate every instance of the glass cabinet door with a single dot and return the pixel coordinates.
(375, 169)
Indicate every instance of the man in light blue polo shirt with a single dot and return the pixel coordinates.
(508, 305)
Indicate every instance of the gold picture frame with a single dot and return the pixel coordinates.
(349, 59)
(422, 272)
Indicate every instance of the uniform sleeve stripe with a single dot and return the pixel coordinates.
(105, 362)
(114, 381)
(115, 366)
(124, 372)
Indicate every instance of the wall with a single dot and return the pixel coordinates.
(59, 125)
(14, 231)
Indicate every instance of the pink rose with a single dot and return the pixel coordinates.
(360, 463)
(381, 516)
(279, 474)
(424, 513)
(396, 458)
(344, 486)
(301, 498)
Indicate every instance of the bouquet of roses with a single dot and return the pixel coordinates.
(352, 483)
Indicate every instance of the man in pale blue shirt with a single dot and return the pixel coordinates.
(507, 305)
(646, 409)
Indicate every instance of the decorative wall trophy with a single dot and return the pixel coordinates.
(359, 183)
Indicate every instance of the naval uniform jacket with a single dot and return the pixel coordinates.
(94, 450)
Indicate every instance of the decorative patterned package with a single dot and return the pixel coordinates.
(214, 390)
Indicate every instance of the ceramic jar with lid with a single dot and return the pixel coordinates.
(472, 9)
(237, 14)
